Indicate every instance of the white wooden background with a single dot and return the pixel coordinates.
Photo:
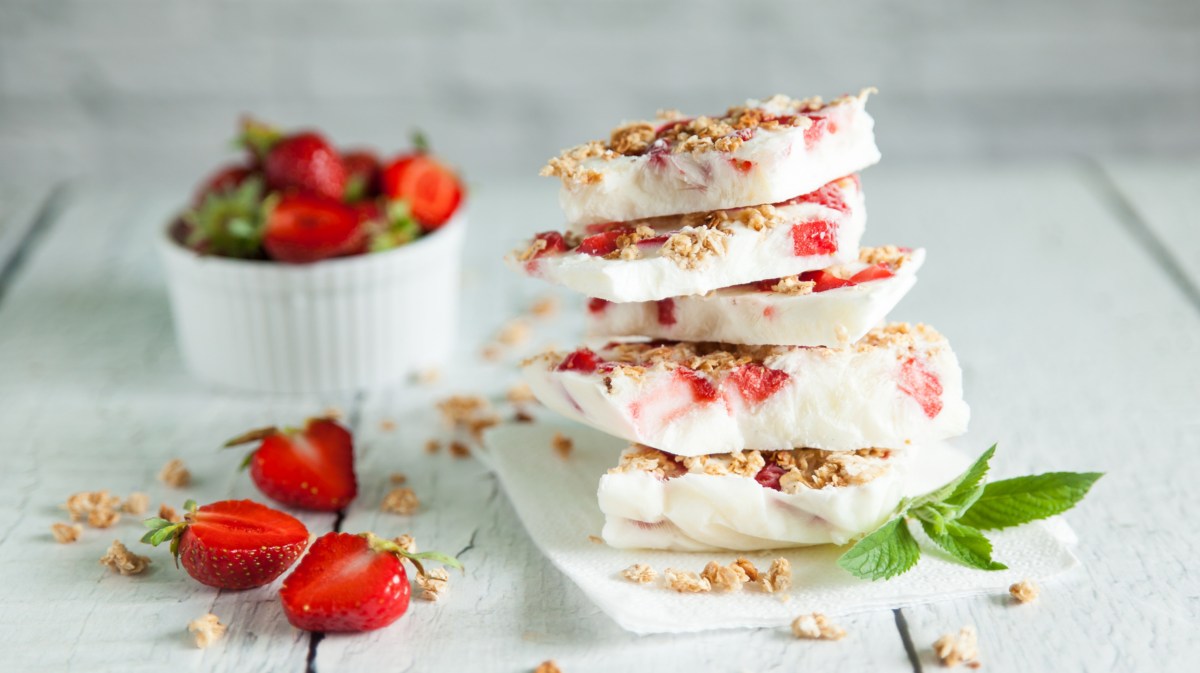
(1068, 289)
(143, 87)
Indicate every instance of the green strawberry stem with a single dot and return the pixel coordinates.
(381, 545)
(161, 530)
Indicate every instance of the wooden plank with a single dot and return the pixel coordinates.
(95, 397)
(1079, 354)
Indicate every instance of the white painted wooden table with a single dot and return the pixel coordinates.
(1071, 302)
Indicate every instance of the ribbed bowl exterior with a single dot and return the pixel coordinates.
(337, 325)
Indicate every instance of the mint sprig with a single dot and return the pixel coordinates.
(955, 515)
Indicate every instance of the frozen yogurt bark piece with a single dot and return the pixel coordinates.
(829, 307)
(654, 259)
(898, 385)
(762, 500)
(764, 151)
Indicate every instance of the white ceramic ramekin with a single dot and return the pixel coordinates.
(342, 324)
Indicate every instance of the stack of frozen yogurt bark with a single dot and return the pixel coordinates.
(738, 334)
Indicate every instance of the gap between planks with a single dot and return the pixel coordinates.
(1126, 213)
(45, 217)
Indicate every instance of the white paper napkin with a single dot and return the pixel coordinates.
(556, 501)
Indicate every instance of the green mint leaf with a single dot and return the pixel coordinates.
(1012, 502)
(889, 551)
(961, 486)
(963, 543)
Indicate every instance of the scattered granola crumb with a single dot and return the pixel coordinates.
(80, 505)
(778, 577)
(514, 332)
(432, 446)
(685, 581)
(471, 413)
(793, 285)
(459, 450)
(136, 504)
(491, 353)
(521, 394)
(547, 666)
(65, 533)
(522, 416)
(434, 584)
(333, 413)
(398, 478)
(207, 630)
(400, 501)
(545, 306)
(406, 542)
(595, 539)
(747, 567)
(175, 474)
(168, 512)
(387, 425)
(428, 377)
(815, 626)
(690, 246)
(1024, 591)
(120, 560)
(953, 649)
(562, 445)
(724, 578)
(103, 518)
(639, 573)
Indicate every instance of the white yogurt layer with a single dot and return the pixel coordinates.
(749, 314)
(771, 166)
(799, 235)
(897, 386)
(699, 512)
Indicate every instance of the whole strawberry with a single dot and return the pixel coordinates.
(432, 191)
(351, 583)
(309, 468)
(306, 163)
(231, 544)
(223, 180)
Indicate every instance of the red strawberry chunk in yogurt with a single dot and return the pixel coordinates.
(583, 360)
(815, 237)
(756, 383)
(769, 476)
(666, 312)
(922, 385)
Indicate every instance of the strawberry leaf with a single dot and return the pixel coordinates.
(258, 434)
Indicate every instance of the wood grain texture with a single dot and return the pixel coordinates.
(1078, 354)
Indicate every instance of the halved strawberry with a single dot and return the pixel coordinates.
(309, 468)
(351, 583)
(224, 180)
(231, 544)
(302, 229)
(432, 191)
(306, 163)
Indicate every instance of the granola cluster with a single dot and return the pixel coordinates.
(99, 509)
(897, 334)
(792, 285)
(806, 468)
(1024, 591)
(400, 501)
(725, 578)
(175, 474)
(120, 560)
(691, 246)
(888, 255)
(470, 413)
(434, 584)
(953, 649)
(815, 626)
(206, 630)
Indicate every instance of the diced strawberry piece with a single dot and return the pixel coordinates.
(703, 390)
(555, 243)
(742, 165)
(666, 312)
(600, 244)
(815, 237)
(756, 383)
(922, 385)
(769, 476)
(582, 360)
(306, 163)
(597, 305)
(432, 191)
(303, 228)
(829, 195)
(873, 272)
(232, 544)
(825, 280)
(816, 130)
(654, 240)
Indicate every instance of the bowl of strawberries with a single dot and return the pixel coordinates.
(303, 268)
